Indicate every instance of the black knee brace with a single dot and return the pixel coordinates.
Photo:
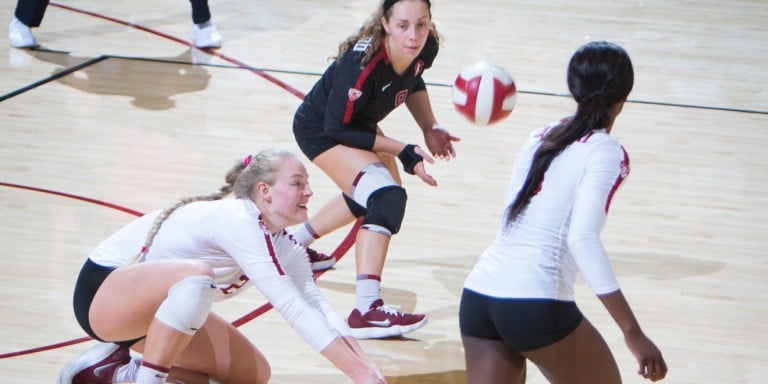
(386, 209)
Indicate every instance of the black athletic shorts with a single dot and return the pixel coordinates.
(89, 281)
(522, 324)
(312, 141)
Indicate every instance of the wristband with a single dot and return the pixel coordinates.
(409, 158)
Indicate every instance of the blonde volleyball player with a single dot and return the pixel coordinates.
(518, 303)
(196, 252)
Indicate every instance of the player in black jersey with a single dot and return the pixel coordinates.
(377, 69)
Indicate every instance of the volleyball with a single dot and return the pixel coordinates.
(484, 93)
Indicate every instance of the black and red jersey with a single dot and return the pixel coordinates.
(350, 98)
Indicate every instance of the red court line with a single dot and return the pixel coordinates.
(338, 253)
(71, 196)
(212, 52)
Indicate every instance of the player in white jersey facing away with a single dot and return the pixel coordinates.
(518, 302)
(158, 301)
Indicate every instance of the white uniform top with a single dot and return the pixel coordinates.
(230, 236)
(558, 232)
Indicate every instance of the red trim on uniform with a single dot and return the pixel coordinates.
(272, 254)
(270, 247)
(311, 230)
(357, 178)
(360, 80)
(586, 137)
(369, 277)
(623, 173)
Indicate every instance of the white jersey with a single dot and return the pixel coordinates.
(558, 233)
(230, 236)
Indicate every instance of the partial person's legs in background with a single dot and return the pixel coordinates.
(204, 33)
(28, 14)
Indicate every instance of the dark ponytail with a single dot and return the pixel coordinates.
(600, 75)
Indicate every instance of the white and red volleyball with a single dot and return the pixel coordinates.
(484, 93)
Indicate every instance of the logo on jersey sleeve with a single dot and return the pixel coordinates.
(624, 168)
(418, 68)
(362, 45)
(354, 94)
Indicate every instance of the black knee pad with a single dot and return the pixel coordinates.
(386, 209)
(356, 209)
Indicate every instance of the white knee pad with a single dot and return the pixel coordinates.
(188, 303)
(372, 178)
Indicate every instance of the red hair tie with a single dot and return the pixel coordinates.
(247, 160)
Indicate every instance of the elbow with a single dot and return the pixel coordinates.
(607, 291)
(583, 240)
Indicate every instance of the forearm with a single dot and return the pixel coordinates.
(651, 364)
(620, 311)
(421, 110)
(352, 343)
(355, 365)
(384, 144)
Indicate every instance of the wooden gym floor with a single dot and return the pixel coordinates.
(110, 118)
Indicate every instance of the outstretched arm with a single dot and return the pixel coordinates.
(438, 140)
(344, 351)
(357, 366)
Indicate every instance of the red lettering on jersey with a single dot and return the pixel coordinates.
(400, 97)
(233, 287)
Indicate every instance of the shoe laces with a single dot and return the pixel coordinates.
(390, 309)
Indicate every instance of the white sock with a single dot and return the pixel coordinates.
(205, 24)
(366, 292)
(304, 234)
(128, 373)
(151, 374)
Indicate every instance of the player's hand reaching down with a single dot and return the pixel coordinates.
(651, 364)
(413, 158)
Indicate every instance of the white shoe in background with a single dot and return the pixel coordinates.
(20, 35)
(205, 35)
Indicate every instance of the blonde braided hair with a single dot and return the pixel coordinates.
(240, 179)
